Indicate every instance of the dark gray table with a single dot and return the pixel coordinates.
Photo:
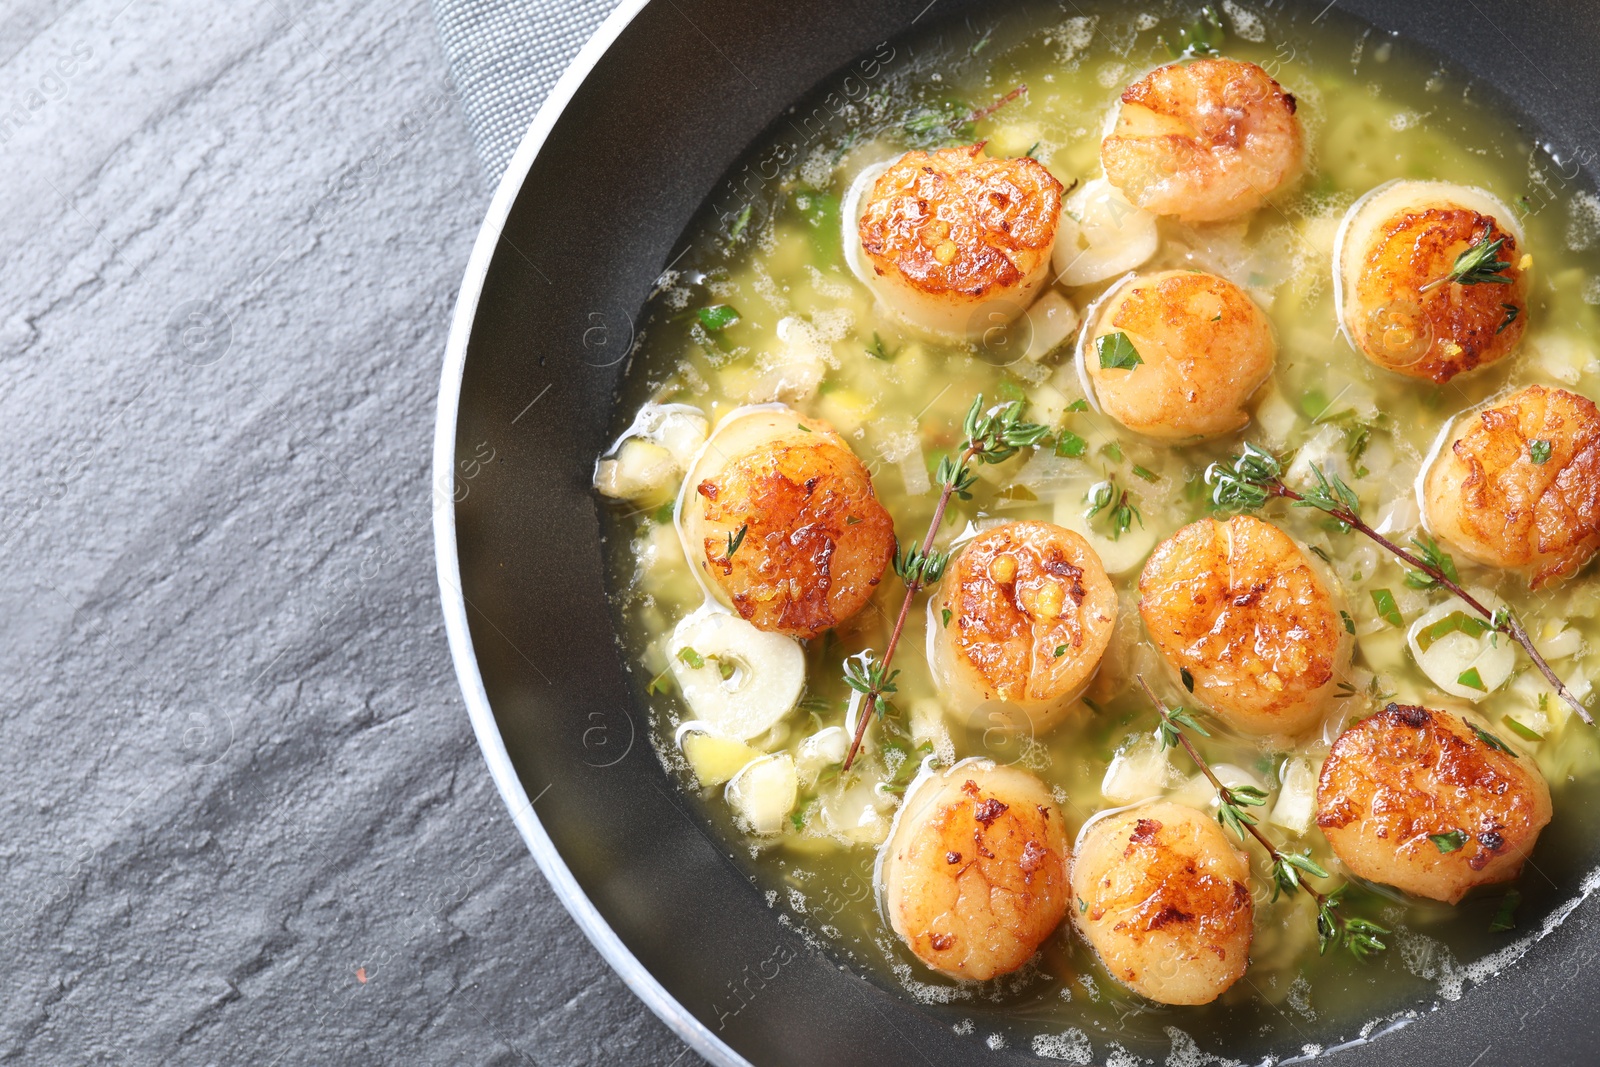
(244, 817)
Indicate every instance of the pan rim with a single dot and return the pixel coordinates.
(452, 599)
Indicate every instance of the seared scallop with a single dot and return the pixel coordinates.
(1425, 802)
(780, 518)
(957, 243)
(974, 873)
(1177, 354)
(1031, 612)
(1404, 295)
(1517, 484)
(1163, 897)
(1204, 141)
(1241, 608)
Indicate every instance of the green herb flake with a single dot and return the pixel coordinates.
(1204, 36)
(1512, 311)
(1455, 622)
(725, 669)
(1188, 678)
(944, 613)
(1524, 732)
(663, 514)
(879, 350)
(1481, 264)
(735, 540)
(694, 659)
(851, 520)
(1505, 917)
(1082, 906)
(1448, 842)
(1539, 452)
(1472, 680)
(1492, 741)
(739, 223)
(1029, 154)
(1112, 451)
(1117, 352)
(1388, 610)
(1070, 445)
(1061, 650)
(1079, 404)
(1349, 623)
(660, 683)
(717, 316)
(1145, 473)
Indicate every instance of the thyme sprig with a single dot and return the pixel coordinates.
(1478, 265)
(992, 436)
(1289, 869)
(1248, 481)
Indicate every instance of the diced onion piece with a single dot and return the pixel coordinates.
(1140, 769)
(646, 463)
(1198, 792)
(823, 749)
(763, 793)
(740, 680)
(1458, 652)
(1101, 235)
(641, 470)
(1560, 642)
(1297, 800)
(715, 759)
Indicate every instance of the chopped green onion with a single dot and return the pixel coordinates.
(1383, 600)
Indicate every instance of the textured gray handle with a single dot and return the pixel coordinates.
(504, 56)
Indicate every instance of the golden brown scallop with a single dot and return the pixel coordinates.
(1203, 349)
(954, 238)
(1031, 613)
(1203, 140)
(1163, 897)
(1242, 608)
(975, 871)
(1420, 800)
(810, 539)
(1398, 305)
(1517, 484)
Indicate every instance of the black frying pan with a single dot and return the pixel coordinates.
(633, 141)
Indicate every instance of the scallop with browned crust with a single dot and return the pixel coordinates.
(1428, 803)
(1178, 354)
(975, 873)
(957, 242)
(1241, 608)
(1205, 140)
(1031, 613)
(1407, 299)
(1164, 899)
(781, 518)
(1517, 485)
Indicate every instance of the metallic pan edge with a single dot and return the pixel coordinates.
(453, 601)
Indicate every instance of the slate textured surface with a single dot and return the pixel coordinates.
(244, 817)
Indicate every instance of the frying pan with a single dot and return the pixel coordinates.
(634, 138)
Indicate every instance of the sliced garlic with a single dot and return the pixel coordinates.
(1101, 235)
(1458, 652)
(1198, 792)
(740, 680)
(1119, 555)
